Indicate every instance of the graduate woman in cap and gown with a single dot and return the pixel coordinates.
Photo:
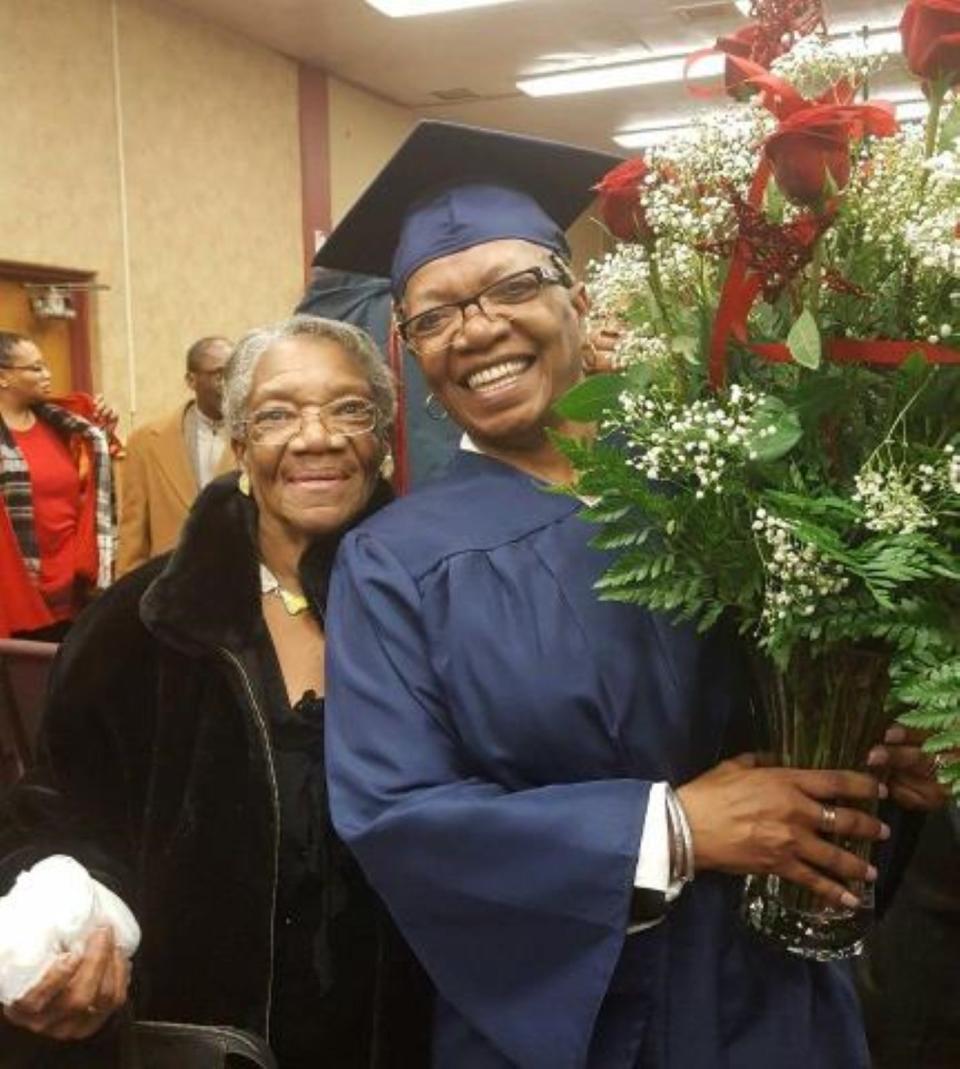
(553, 794)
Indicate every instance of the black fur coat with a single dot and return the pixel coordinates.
(154, 772)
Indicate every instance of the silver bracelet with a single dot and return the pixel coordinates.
(683, 868)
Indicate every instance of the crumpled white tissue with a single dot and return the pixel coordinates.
(51, 910)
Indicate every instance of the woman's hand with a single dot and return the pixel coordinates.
(77, 994)
(750, 819)
(104, 415)
(907, 770)
(598, 349)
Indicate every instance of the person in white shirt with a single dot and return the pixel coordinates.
(171, 459)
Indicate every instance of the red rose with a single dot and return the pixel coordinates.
(740, 43)
(801, 160)
(810, 150)
(931, 38)
(620, 206)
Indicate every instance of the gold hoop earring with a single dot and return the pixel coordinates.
(243, 484)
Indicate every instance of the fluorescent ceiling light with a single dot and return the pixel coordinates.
(909, 104)
(652, 71)
(874, 43)
(861, 26)
(743, 6)
(912, 110)
(909, 107)
(902, 95)
(664, 68)
(399, 9)
(648, 136)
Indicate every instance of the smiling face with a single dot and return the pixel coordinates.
(317, 482)
(499, 377)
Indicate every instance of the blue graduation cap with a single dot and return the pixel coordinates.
(449, 187)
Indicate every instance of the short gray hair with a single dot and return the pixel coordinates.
(356, 343)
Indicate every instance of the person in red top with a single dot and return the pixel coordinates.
(56, 538)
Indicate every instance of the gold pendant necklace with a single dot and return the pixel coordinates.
(294, 604)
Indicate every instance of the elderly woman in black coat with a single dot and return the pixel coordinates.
(182, 749)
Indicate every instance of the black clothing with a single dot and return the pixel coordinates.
(327, 922)
(908, 975)
(157, 773)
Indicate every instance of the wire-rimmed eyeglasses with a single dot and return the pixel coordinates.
(277, 424)
(40, 367)
(436, 327)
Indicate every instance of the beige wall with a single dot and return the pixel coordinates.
(211, 162)
(364, 133)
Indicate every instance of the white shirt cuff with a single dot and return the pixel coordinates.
(653, 863)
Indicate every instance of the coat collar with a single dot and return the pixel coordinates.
(208, 594)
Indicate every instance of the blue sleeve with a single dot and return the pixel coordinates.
(516, 902)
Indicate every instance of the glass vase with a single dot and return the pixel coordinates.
(823, 711)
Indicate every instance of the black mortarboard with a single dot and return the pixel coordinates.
(449, 187)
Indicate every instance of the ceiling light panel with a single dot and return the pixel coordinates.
(912, 110)
(400, 9)
(874, 43)
(654, 135)
(666, 68)
(652, 71)
(909, 105)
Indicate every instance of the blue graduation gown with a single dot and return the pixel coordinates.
(493, 730)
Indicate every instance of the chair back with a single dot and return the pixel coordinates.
(24, 668)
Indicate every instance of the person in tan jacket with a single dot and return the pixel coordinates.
(171, 459)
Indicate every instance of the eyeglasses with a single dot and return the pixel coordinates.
(279, 423)
(34, 369)
(436, 327)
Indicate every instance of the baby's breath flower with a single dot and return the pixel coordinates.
(798, 578)
(815, 63)
(693, 444)
(616, 280)
(640, 345)
(892, 499)
(953, 469)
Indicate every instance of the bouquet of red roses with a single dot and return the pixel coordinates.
(781, 443)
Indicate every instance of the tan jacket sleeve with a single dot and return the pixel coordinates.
(134, 528)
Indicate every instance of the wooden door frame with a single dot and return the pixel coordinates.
(81, 374)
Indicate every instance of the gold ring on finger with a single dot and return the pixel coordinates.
(828, 819)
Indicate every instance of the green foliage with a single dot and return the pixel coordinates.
(804, 342)
(697, 555)
(588, 400)
(932, 692)
(776, 430)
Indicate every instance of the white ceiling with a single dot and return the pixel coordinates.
(483, 51)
